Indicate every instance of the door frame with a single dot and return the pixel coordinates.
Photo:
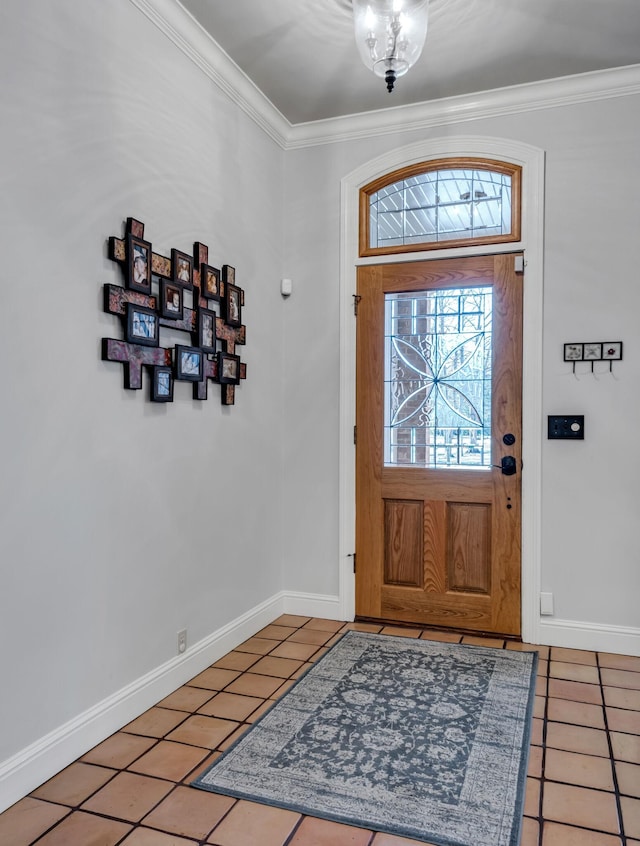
(531, 159)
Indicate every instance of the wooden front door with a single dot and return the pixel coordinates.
(438, 455)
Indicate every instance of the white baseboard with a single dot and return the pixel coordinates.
(32, 766)
(574, 634)
(312, 605)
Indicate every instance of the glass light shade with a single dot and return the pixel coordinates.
(390, 35)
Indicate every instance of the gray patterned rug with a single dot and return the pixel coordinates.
(412, 737)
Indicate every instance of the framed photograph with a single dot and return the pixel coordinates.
(161, 384)
(592, 352)
(143, 326)
(228, 369)
(573, 352)
(171, 299)
(210, 282)
(182, 267)
(138, 276)
(228, 274)
(189, 363)
(612, 350)
(233, 305)
(207, 330)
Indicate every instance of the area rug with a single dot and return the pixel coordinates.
(412, 737)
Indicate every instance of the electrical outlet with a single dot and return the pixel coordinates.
(182, 641)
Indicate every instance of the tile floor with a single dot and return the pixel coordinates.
(584, 769)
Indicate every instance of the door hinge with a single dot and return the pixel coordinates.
(355, 434)
(518, 264)
(356, 303)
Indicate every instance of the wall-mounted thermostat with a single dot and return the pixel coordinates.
(566, 427)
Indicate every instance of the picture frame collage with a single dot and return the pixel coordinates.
(180, 293)
(593, 351)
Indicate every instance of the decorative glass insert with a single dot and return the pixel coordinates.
(437, 408)
(440, 206)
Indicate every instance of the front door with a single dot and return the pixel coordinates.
(438, 455)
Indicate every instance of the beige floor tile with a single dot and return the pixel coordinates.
(324, 625)
(315, 832)
(626, 747)
(149, 837)
(168, 760)
(588, 741)
(575, 691)
(564, 835)
(260, 711)
(187, 699)
(257, 645)
(483, 641)
(573, 656)
(214, 678)
(619, 697)
(128, 797)
(630, 816)
(619, 662)
(537, 728)
(252, 684)
(276, 632)
(580, 806)
(583, 770)
(578, 713)
(237, 661)
(542, 686)
(230, 706)
(532, 798)
(23, 822)
(372, 628)
(622, 720)
(620, 678)
(530, 832)
(189, 812)
(292, 620)
(229, 741)
(301, 670)
(297, 651)
(543, 667)
(543, 651)
(156, 722)
(441, 637)
(249, 822)
(85, 829)
(119, 750)
(535, 762)
(74, 784)
(204, 766)
(628, 779)
(539, 706)
(207, 732)
(305, 635)
(401, 631)
(280, 667)
(573, 672)
(280, 691)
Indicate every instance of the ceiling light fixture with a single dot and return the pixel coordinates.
(390, 35)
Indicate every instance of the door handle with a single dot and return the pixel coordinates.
(508, 465)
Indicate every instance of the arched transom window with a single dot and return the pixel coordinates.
(441, 203)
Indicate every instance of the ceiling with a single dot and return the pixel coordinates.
(302, 55)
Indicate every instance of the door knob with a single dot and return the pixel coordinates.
(508, 465)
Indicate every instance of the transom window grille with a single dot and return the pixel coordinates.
(440, 204)
(438, 378)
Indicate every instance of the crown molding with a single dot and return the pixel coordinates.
(533, 96)
(194, 41)
(180, 27)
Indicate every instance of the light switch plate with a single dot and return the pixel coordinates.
(565, 427)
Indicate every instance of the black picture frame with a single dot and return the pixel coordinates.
(182, 268)
(161, 384)
(228, 368)
(228, 274)
(138, 264)
(209, 282)
(189, 363)
(232, 305)
(206, 330)
(171, 299)
(143, 326)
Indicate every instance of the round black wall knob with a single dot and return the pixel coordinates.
(509, 439)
